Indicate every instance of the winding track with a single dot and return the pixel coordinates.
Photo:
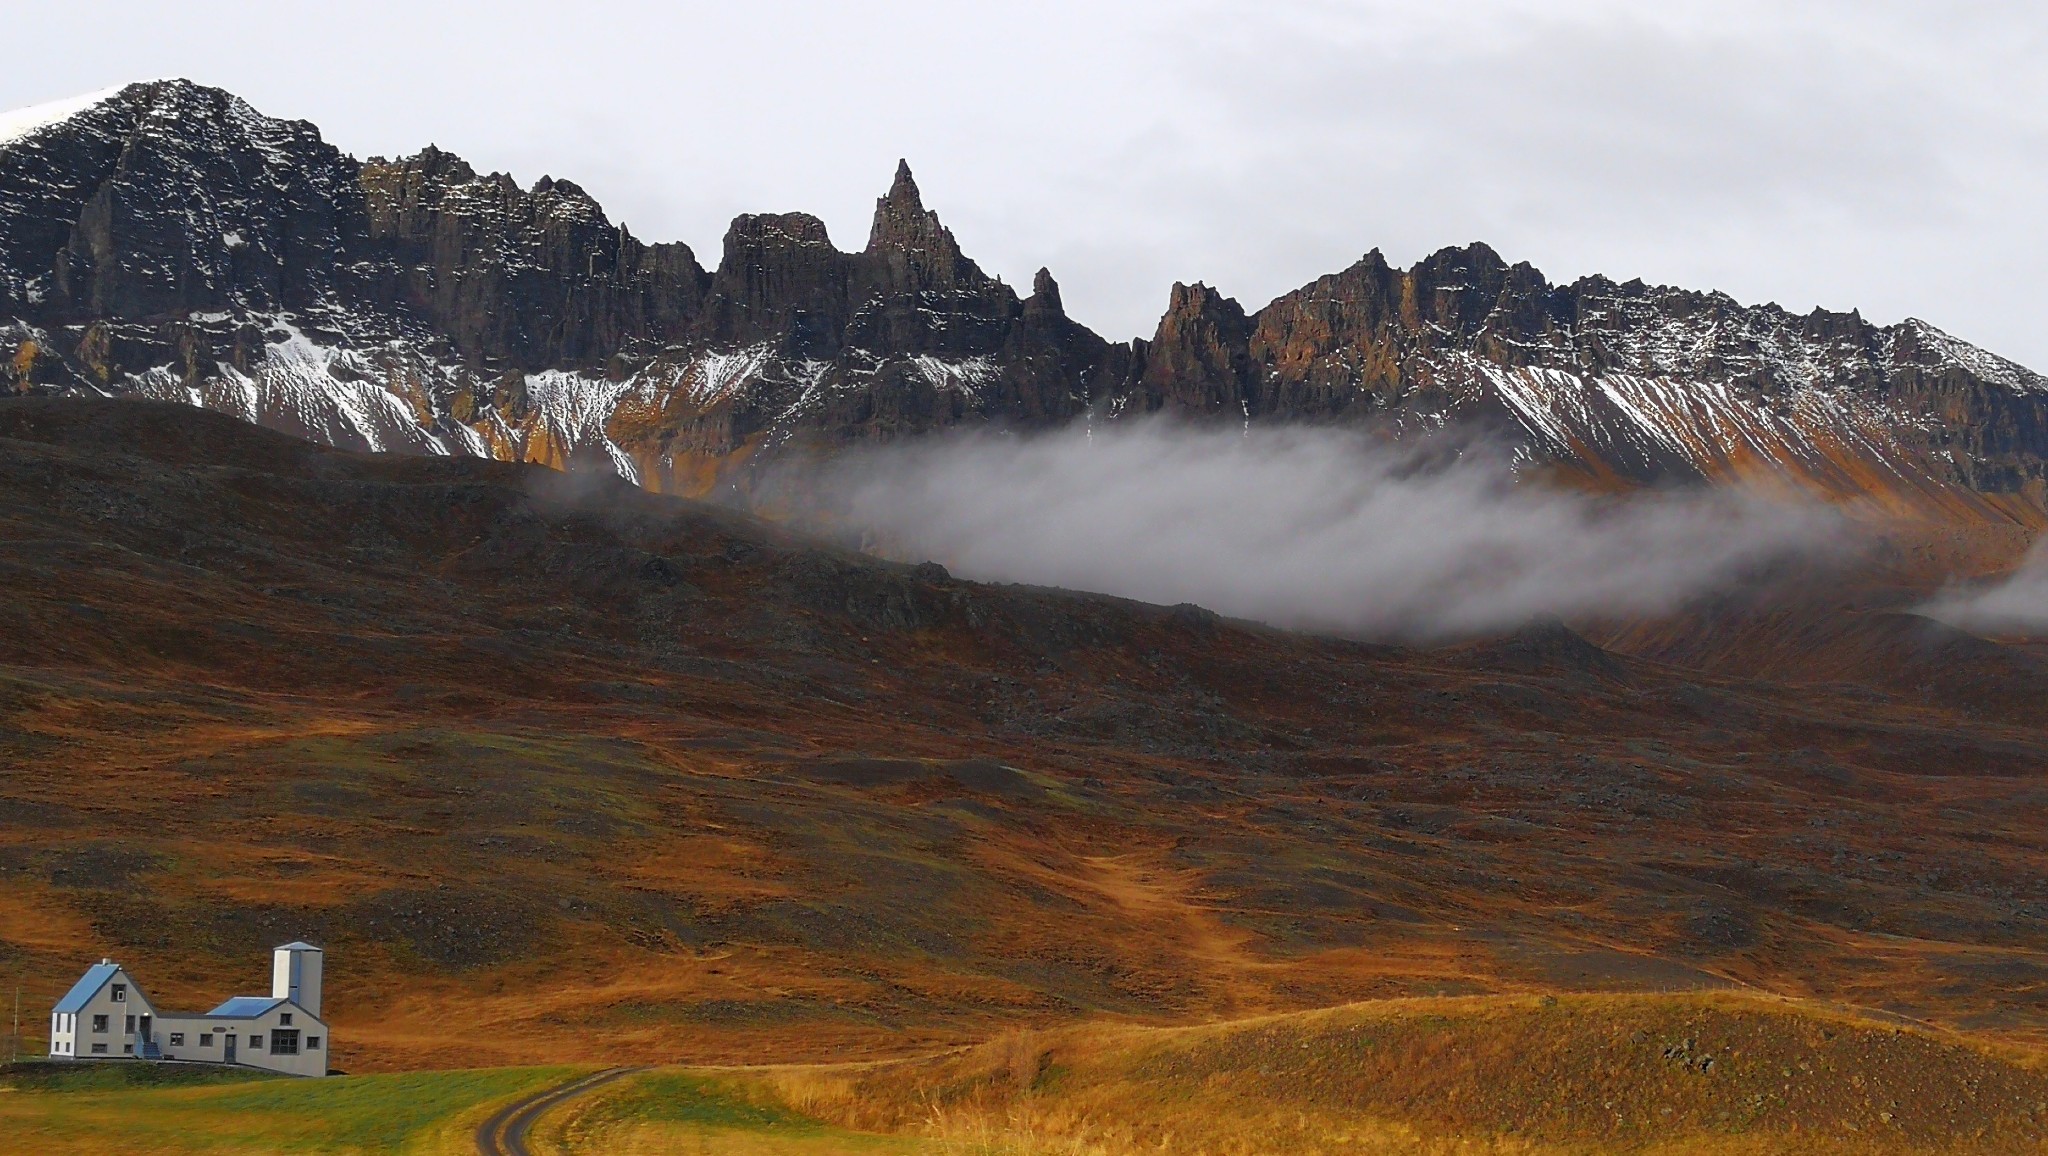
(504, 1134)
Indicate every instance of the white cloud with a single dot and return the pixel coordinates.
(1305, 528)
(2014, 604)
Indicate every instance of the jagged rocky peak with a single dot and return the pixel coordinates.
(1045, 288)
(1044, 302)
(1459, 292)
(168, 198)
(1453, 297)
(780, 282)
(902, 221)
(167, 239)
(580, 289)
(1199, 360)
(436, 190)
(753, 231)
(913, 250)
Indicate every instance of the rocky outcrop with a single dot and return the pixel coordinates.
(519, 278)
(170, 241)
(1625, 382)
(1199, 361)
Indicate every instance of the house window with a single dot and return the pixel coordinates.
(120, 993)
(205, 1039)
(177, 1039)
(255, 1041)
(99, 1049)
(130, 1029)
(127, 1049)
(312, 1043)
(285, 1018)
(284, 1042)
(99, 1024)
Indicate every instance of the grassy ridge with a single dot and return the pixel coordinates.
(1652, 1074)
(691, 1112)
(109, 1108)
(1726, 1074)
(630, 780)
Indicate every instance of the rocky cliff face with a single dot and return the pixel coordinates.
(168, 240)
(1624, 382)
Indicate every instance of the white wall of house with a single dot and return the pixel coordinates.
(287, 1038)
(295, 974)
(107, 1027)
(280, 1033)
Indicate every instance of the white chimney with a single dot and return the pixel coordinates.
(295, 975)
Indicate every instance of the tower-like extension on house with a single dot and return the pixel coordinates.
(295, 975)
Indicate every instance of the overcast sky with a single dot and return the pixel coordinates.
(1849, 153)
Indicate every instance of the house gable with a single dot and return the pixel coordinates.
(96, 977)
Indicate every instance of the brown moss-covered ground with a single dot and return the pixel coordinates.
(1712, 1073)
(627, 778)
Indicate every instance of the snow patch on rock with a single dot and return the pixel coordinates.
(22, 123)
(1981, 362)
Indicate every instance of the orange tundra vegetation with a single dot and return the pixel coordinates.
(563, 771)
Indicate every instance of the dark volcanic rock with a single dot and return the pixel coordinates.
(170, 241)
(1200, 360)
(528, 278)
(781, 282)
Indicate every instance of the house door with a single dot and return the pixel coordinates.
(229, 1043)
(143, 1035)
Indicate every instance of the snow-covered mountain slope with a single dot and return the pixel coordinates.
(168, 240)
(1625, 383)
(25, 122)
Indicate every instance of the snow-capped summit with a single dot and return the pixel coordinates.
(22, 123)
(167, 239)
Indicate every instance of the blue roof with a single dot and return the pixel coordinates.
(88, 986)
(245, 1007)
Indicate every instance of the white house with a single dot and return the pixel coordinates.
(105, 1015)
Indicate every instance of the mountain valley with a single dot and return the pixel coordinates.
(402, 558)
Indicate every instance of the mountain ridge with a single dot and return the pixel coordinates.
(170, 241)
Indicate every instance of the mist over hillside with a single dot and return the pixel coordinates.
(1312, 528)
(821, 695)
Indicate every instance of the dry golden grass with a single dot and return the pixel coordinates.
(1666, 1075)
(496, 759)
(1707, 1075)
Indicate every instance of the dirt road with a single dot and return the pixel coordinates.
(504, 1134)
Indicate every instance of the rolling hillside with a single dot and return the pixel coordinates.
(621, 776)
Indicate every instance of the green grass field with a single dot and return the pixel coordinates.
(142, 1107)
(146, 1107)
(671, 1111)
(1717, 1074)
